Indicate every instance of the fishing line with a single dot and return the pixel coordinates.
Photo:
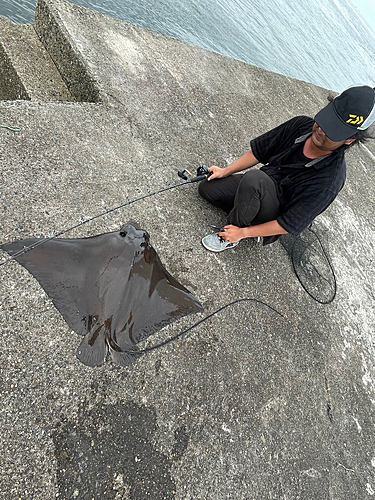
(202, 173)
(172, 339)
(110, 210)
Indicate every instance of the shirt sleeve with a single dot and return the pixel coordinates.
(280, 138)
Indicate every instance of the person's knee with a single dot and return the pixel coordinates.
(252, 178)
(250, 186)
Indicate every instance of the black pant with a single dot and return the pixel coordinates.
(249, 199)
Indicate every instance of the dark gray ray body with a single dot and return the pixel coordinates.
(111, 289)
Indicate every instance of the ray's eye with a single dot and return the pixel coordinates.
(123, 234)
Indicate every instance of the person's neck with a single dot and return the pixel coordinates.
(312, 152)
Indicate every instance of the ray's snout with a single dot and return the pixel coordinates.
(133, 231)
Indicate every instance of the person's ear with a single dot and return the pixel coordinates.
(350, 141)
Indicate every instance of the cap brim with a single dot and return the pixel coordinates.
(332, 126)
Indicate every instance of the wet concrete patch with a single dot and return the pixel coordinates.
(107, 453)
(181, 442)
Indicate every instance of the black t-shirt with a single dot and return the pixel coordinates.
(305, 187)
(296, 156)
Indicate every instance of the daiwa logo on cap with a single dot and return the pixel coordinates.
(355, 120)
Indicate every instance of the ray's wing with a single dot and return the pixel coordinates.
(71, 272)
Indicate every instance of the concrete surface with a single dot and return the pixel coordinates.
(21, 48)
(237, 408)
(11, 86)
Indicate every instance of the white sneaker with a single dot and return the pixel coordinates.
(216, 243)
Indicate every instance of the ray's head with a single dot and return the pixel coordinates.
(132, 233)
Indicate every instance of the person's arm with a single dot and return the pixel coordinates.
(267, 145)
(246, 161)
(234, 233)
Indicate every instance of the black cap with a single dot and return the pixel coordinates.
(352, 110)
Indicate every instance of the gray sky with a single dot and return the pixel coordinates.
(367, 10)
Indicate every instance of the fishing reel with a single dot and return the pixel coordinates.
(203, 172)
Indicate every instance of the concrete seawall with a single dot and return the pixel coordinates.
(237, 408)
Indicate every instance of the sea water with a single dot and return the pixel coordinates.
(324, 42)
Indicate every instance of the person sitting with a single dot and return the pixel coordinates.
(304, 170)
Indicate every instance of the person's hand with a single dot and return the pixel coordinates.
(217, 173)
(232, 233)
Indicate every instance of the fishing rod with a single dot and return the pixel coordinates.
(202, 173)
